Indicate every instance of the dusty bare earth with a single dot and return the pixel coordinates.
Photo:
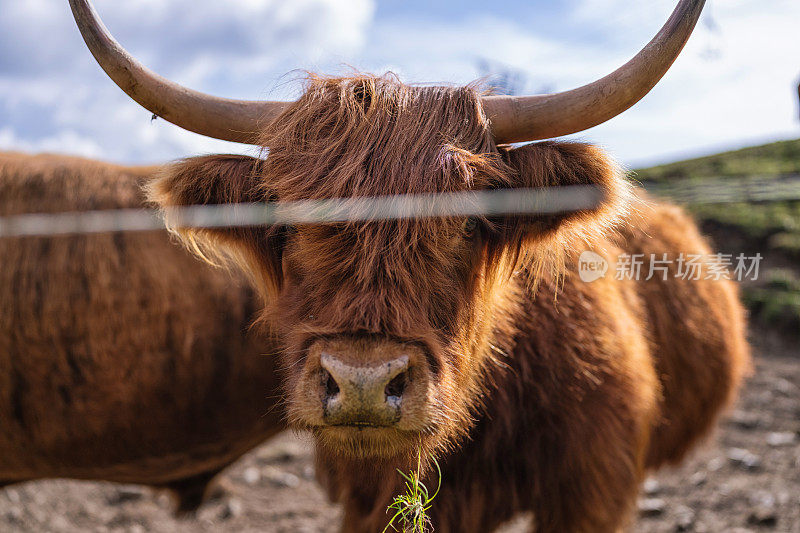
(747, 479)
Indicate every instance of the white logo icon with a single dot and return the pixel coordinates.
(591, 266)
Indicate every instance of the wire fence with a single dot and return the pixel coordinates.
(543, 201)
(540, 201)
(722, 190)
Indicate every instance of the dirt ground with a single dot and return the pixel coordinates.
(746, 479)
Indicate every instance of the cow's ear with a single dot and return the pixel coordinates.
(207, 180)
(565, 164)
(214, 180)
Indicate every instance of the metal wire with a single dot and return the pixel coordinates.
(540, 201)
(488, 203)
(720, 190)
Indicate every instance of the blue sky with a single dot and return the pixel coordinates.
(733, 85)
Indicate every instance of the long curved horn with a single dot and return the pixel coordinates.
(528, 118)
(221, 118)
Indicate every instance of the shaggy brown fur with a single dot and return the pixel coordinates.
(122, 357)
(551, 395)
(548, 394)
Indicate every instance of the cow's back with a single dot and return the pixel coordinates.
(121, 356)
(695, 323)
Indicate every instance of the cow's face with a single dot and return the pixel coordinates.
(387, 328)
(384, 328)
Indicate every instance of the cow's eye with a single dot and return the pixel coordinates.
(470, 226)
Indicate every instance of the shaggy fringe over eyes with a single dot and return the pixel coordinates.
(374, 136)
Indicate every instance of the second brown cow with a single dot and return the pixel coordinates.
(122, 358)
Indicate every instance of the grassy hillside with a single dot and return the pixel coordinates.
(756, 223)
(768, 160)
(766, 178)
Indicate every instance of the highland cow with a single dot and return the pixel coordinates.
(470, 339)
(122, 358)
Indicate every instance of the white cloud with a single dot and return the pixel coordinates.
(54, 97)
(64, 142)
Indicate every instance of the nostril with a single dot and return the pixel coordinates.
(329, 384)
(397, 386)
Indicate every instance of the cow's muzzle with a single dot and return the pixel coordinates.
(368, 383)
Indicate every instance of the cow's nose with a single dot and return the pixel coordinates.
(358, 395)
